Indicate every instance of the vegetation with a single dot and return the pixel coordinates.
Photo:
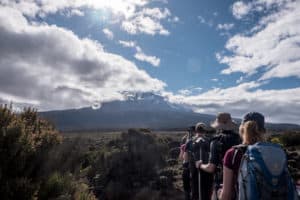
(291, 142)
(26, 143)
(39, 163)
(286, 139)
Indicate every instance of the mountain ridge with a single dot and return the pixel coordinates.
(138, 110)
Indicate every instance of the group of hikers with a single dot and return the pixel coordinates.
(234, 163)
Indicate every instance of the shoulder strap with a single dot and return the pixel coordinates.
(242, 148)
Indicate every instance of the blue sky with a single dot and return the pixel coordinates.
(234, 56)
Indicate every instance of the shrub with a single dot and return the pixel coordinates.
(290, 138)
(127, 165)
(24, 140)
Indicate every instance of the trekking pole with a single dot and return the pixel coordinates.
(190, 137)
(199, 177)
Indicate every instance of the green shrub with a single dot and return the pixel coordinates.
(276, 140)
(290, 138)
(127, 165)
(286, 139)
(56, 185)
(24, 140)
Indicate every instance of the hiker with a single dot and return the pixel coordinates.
(185, 156)
(225, 139)
(195, 149)
(202, 181)
(240, 186)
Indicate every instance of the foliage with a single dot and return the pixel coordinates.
(60, 186)
(24, 139)
(33, 159)
(127, 165)
(287, 139)
(37, 163)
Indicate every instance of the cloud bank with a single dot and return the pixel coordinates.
(53, 68)
(272, 45)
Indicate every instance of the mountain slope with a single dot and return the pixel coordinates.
(141, 110)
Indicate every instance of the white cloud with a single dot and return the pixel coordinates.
(185, 92)
(108, 33)
(244, 98)
(174, 19)
(127, 43)
(240, 9)
(76, 12)
(140, 55)
(273, 46)
(189, 91)
(122, 8)
(202, 20)
(147, 21)
(153, 60)
(55, 69)
(225, 26)
(240, 79)
(132, 15)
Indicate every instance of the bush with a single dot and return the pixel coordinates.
(60, 186)
(287, 139)
(127, 165)
(290, 139)
(24, 140)
(56, 185)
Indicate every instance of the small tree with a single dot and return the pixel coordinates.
(24, 140)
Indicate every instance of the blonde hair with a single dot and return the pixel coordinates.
(251, 132)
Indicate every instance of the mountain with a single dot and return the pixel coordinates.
(139, 110)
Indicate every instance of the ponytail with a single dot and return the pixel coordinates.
(252, 133)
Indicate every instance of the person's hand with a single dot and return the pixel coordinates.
(198, 163)
(182, 147)
(219, 193)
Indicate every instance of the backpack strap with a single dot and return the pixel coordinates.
(238, 148)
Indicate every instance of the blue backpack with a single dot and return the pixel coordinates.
(263, 174)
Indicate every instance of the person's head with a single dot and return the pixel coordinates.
(224, 122)
(201, 128)
(252, 128)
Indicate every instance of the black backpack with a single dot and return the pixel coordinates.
(223, 141)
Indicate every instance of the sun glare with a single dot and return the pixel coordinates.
(122, 8)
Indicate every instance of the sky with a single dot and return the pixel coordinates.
(211, 55)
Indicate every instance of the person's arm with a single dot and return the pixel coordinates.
(210, 167)
(213, 159)
(181, 154)
(226, 193)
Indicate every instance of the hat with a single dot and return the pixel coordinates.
(224, 121)
(201, 127)
(257, 117)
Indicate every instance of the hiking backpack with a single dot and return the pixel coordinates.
(223, 142)
(263, 174)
